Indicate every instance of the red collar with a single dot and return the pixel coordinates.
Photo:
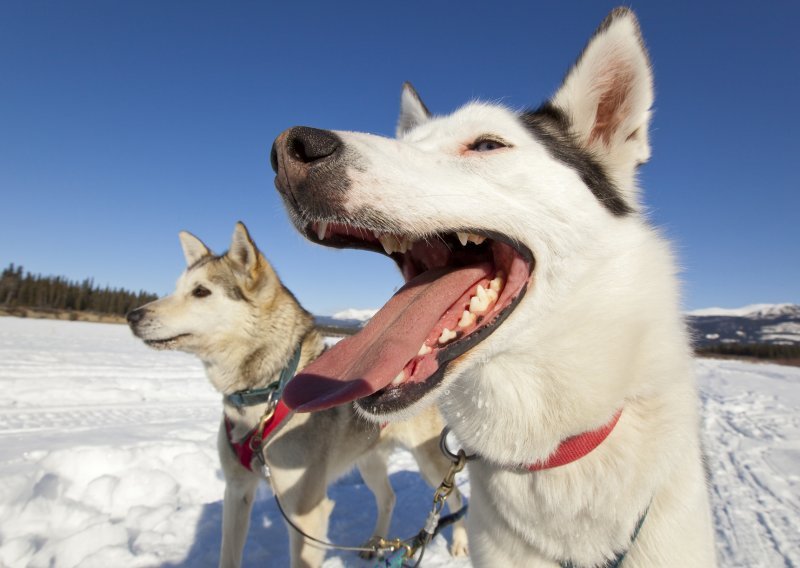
(244, 447)
(576, 447)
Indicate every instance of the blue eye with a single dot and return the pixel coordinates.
(487, 145)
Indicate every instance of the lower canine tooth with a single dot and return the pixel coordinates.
(446, 336)
(398, 379)
(424, 350)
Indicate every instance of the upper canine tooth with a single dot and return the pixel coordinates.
(463, 238)
(322, 228)
(446, 336)
(477, 239)
(389, 243)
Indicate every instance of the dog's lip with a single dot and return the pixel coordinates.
(166, 339)
(366, 239)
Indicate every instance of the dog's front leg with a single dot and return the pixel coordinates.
(375, 474)
(309, 509)
(240, 489)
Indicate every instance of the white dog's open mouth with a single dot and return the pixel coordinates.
(460, 286)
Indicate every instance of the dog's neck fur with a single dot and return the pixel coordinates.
(242, 368)
(515, 405)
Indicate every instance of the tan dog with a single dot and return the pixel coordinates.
(233, 313)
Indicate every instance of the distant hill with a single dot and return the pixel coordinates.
(766, 324)
(765, 331)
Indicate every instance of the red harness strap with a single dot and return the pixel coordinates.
(244, 447)
(576, 447)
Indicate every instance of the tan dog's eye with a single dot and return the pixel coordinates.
(201, 292)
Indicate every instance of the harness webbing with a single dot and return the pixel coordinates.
(616, 562)
(273, 391)
(250, 446)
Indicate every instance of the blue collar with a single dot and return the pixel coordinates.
(271, 392)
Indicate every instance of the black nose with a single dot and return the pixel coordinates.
(303, 146)
(135, 316)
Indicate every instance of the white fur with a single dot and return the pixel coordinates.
(599, 329)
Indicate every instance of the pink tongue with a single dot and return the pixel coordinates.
(367, 362)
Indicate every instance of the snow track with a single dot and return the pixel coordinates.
(108, 458)
(752, 437)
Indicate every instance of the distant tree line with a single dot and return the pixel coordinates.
(18, 289)
(759, 350)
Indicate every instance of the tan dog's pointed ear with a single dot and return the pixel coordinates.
(413, 111)
(243, 250)
(607, 96)
(193, 248)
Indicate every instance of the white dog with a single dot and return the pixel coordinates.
(541, 311)
(233, 313)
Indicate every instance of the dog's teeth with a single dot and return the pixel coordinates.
(480, 291)
(491, 295)
(498, 282)
(478, 306)
(399, 379)
(467, 319)
(424, 350)
(477, 239)
(446, 336)
(389, 243)
(322, 228)
(463, 238)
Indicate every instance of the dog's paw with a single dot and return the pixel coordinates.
(460, 546)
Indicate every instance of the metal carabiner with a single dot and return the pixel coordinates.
(448, 453)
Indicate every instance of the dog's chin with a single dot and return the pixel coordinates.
(169, 343)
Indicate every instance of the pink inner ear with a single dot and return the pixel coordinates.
(614, 104)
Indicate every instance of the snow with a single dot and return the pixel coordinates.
(108, 458)
(753, 310)
(355, 314)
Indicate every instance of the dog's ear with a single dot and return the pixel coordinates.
(607, 96)
(413, 111)
(193, 248)
(243, 250)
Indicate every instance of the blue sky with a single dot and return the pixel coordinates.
(122, 123)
